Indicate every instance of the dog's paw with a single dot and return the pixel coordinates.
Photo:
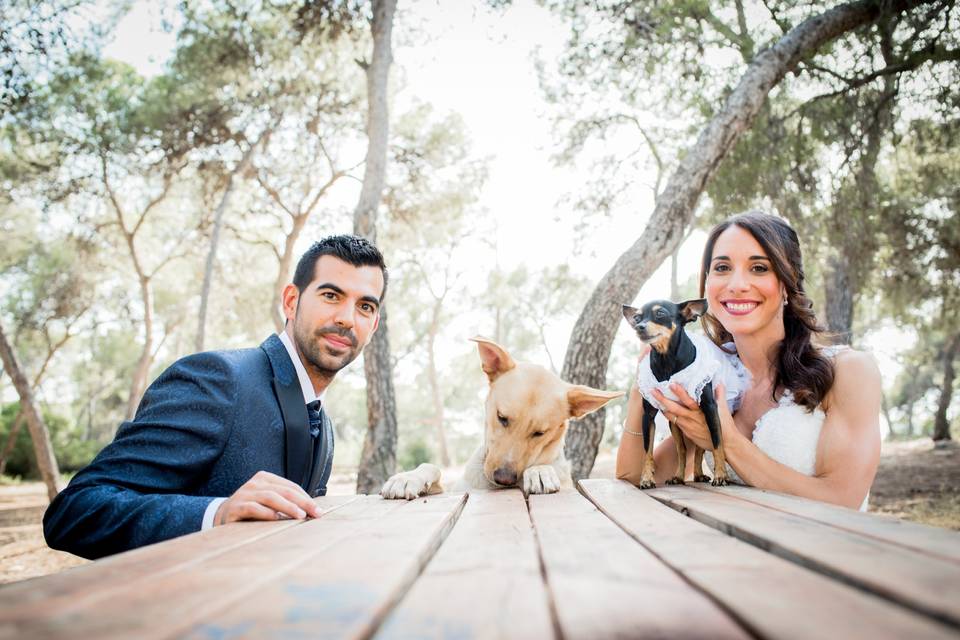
(540, 479)
(701, 477)
(719, 481)
(408, 485)
(676, 480)
(648, 484)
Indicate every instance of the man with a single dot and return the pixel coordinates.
(244, 424)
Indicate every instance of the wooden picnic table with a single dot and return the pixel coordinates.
(609, 561)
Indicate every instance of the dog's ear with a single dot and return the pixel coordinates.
(692, 309)
(494, 358)
(584, 400)
(629, 312)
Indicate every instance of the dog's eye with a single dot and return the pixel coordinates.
(502, 418)
(536, 434)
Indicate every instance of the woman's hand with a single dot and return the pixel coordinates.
(689, 417)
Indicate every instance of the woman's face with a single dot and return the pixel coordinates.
(743, 292)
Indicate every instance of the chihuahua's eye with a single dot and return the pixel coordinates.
(502, 418)
(536, 434)
(661, 314)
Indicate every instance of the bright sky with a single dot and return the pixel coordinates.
(479, 63)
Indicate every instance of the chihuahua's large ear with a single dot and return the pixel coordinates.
(692, 309)
(584, 400)
(629, 312)
(494, 358)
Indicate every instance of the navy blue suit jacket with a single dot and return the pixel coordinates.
(203, 428)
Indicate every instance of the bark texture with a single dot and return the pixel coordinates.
(941, 425)
(839, 288)
(38, 429)
(589, 348)
(378, 460)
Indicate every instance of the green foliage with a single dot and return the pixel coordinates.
(413, 454)
(70, 447)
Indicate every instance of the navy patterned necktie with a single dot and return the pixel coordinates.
(313, 412)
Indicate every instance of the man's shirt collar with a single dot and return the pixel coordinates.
(305, 384)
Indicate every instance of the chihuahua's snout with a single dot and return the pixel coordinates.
(505, 477)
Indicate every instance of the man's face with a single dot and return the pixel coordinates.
(335, 316)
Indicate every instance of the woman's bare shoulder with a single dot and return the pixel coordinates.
(856, 378)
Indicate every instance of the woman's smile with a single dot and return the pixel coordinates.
(739, 307)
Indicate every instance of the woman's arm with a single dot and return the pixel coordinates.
(630, 454)
(848, 451)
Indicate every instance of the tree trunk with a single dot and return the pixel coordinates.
(941, 426)
(11, 442)
(42, 448)
(854, 234)
(378, 461)
(140, 374)
(433, 376)
(214, 244)
(885, 408)
(18, 420)
(589, 349)
(838, 290)
(283, 273)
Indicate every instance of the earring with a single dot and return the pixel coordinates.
(784, 300)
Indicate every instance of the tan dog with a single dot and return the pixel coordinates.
(527, 410)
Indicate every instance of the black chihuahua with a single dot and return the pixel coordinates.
(660, 324)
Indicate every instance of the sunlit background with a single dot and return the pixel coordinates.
(483, 70)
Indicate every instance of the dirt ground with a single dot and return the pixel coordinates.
(916, 481)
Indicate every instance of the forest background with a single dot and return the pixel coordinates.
(163, 165)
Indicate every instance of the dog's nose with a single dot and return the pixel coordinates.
(505, 477)
(642, 325)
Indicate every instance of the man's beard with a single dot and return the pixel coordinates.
(314, 351)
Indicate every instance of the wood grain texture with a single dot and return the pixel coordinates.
(167, 602)
(934, 541)
(83, 586)
(345, 588)
(484, 582)
(605, 585)
(871, 566)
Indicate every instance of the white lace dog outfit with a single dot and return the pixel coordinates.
(712, 364)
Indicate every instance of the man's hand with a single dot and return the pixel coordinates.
(266, 496)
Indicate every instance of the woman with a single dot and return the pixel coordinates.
(809, 423)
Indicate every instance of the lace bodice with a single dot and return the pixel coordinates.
(789, 434)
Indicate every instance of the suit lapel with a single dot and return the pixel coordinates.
(286, 385)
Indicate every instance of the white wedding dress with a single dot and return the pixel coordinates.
(789, 434)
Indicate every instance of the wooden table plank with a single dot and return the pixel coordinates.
(86, 584)
(484, 582)
(605, 585)
(916, 580)
(344, 589)
(167, 603)
(772, 597)
(934, 541)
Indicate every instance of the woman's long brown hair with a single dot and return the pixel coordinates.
(800, 367)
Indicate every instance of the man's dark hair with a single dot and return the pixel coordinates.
(351, 249)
